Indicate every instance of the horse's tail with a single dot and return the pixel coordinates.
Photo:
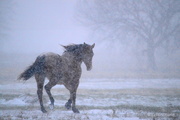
(36, 67)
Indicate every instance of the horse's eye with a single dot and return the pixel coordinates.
(91, 52)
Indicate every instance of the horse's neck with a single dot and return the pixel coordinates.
(71, 58)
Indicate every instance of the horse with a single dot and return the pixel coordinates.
(62, 69)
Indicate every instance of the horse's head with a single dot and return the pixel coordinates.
(88, 55)
(82, 52)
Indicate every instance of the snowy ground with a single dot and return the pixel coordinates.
(101, 99)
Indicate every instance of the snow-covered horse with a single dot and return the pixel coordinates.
(65, 69)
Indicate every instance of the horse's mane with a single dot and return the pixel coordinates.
(72, 47)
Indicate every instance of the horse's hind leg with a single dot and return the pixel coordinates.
(40, 83)
(48, 87)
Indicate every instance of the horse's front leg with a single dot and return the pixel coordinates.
(72, 101)
(68, 104)
(72, 89)
(73, 98)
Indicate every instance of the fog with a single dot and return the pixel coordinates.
(135, 69)
(34, 27)
(37, 26)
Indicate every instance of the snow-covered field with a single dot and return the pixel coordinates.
(97, 99)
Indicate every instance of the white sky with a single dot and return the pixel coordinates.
(41, 25)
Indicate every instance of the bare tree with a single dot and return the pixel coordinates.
(154, 22)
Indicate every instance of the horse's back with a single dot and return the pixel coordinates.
(51, 59)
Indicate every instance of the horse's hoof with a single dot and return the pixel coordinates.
(43, 110)
(51, 106)
(68, 105)
(75, 110)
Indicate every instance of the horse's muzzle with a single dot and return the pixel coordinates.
(89, 68)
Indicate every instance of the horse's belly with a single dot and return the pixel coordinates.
(60, 82)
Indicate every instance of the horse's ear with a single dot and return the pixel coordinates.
(93, 46)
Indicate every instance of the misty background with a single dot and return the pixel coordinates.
(134, 39)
